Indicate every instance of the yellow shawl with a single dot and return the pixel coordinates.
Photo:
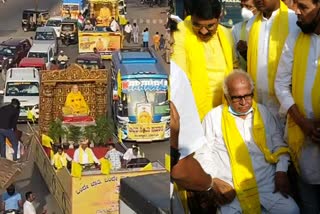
(60, 161)
(242, 170)
(299, 73)
(278, 34)
(193, 61)
(88, 151)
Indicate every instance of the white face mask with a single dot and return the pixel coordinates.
(246, 14)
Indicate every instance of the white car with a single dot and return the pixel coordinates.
(55, 22)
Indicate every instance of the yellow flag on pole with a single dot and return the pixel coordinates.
(106, 166)
(147, 167)
(30, 116)
(119, 83)
(76, 169)
(167, 162)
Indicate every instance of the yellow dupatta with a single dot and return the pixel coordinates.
(299, 73)
(60, 161)
(196, 61)
(242, 169)
(278, 34)
(88, 152)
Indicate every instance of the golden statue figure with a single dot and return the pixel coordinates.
(100, 45)
(144, 116)
(75, 104)
(104, 16)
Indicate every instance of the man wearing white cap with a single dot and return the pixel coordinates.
(84, 155)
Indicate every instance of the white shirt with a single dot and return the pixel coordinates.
(114, 26)
(310, 152)
(262, 84)
(28, 208)
(128, 155)
(85, 157)
(191, 136)
(128, 28)
(214, 157)
(135, 29)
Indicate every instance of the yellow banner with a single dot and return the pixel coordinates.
(99, 194)
(140, 131)
(105, 42)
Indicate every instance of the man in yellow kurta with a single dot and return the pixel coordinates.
(75, 103)
(204, 50)
(60, 159)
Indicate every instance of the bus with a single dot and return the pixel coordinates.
(140, 105)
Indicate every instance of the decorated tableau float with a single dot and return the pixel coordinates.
(73, 106)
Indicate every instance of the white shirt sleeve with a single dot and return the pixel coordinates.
(191, 135)
(284, 74)
(76, 156)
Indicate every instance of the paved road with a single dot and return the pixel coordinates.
(10, 26)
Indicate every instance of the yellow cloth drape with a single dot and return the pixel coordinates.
(60, 161)
(278, 34)
(75, 104)
(242, 169)
(189, 54)
(89, 152)
(46, 141)
(106, 166)
(167, 162)
(299, 73)
(76, 169)
(147, 167)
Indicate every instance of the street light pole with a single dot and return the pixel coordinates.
(36, 4)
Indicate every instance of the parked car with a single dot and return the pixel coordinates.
(46, 35)
(12, 51)
(90, 61)
(31, 62)
(55, 22)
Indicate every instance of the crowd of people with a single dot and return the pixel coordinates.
(245, 108)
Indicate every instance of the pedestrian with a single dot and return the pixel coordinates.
(114, 156)
(248, 10)
(145, 38)
(297, 88)
(267, 33)
(128, 31)
(156, 41)
(203, 49)
(11, 200)
(9, 115)
(162, 41)
(135, 33)
(84, 155)
(28, 207)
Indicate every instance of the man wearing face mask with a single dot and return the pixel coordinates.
(268, 31)
(297, 88)
(248, 10)
(203, 49)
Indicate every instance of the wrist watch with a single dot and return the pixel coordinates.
(175, 156)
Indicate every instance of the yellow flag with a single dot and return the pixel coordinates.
(30, 116)
(119, 83)
(76, 170)
(147, 167)
(167, 162)
(105, 166)
(46, 141)
(119, 135)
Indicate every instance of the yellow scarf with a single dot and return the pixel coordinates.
(242, 170)
(60, 161)
(88, 152)
(196, 62)
(299, 73)
(278, 34)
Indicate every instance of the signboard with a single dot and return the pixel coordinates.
(153, 131)
(99, 194)
(105, 42)
(145, 85)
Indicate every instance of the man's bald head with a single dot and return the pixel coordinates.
(237, 76)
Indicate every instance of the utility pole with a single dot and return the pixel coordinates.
(36, 5)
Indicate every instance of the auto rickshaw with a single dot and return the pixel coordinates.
(69, 31)
(32, 18)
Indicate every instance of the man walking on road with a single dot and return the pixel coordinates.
(135, 33)
(128, 31)
(9, 115)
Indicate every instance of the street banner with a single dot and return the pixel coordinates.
(140, 131)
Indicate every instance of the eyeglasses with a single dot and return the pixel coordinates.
(246, 97)
(207, 27)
